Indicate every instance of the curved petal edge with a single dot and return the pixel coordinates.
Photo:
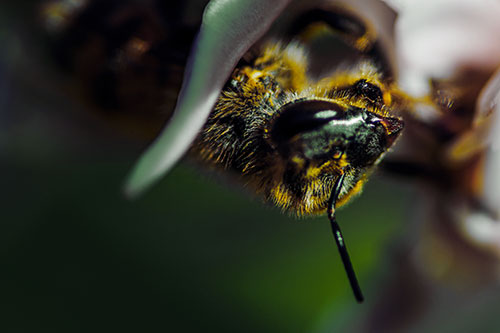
(229, 28)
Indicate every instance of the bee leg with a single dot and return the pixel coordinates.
(352, 29)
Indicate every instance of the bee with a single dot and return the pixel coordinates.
(304, 143)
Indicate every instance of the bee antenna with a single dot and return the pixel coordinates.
(339, 239)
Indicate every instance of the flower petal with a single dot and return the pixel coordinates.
(228, 30)
(489, 104)
(434, 38)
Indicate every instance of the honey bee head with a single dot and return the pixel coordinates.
(319, 140)
(320, 131)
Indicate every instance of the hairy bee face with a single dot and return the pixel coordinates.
(320, 140)
(290, 138)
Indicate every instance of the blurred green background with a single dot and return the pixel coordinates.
(190, 255)
(194, 254)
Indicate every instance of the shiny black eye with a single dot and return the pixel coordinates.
(304, 116)
(368, 90)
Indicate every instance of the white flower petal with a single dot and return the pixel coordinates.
(483, 231)
(228, 30)
(489, 109)
(434, 38)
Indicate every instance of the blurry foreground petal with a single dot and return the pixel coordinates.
(490, 103)
(483, 228)
(228, 30)
(435, 38)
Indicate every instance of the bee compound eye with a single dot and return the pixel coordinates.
(302, 117)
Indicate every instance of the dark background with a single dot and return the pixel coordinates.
(194, 254)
